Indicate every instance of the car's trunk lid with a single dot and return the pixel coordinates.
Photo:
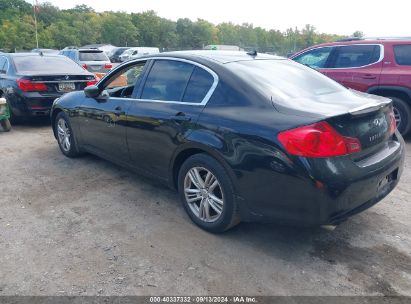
(353, 114)
(61, 83)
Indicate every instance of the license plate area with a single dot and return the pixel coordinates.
(66, 86)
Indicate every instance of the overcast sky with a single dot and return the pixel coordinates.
(373, 17)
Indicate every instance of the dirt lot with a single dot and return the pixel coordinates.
(87, 227)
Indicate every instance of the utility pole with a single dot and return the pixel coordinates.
(35, 8)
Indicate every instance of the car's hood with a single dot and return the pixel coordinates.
(334, 104)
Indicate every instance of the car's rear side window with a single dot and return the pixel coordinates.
(46, 64)
(403, 54)
(167, 80)
(354, 56)
(199, 85)
(92, 56)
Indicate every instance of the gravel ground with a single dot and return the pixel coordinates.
(87, 227)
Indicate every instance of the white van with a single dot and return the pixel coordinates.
(137, 52)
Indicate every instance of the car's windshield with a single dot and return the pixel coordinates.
(92, 56)
(284, 79)
(46, 64)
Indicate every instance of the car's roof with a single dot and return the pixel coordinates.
(218, 56)
(365, 41)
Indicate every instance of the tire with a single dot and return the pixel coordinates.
(5, 124)
(402, 113)
(213, 206)
(65, 136)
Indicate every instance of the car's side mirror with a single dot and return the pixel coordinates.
(92, 91)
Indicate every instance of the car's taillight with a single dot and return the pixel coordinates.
(91, 82)
(393, 123)
(27, 85)
(318, 140)
(108, 66)
(84, 66)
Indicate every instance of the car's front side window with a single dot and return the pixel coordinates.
(123, 82)
(316, 58)
(167, 80)
(353, 56)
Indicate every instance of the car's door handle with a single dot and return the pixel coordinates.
(118, 111)
(180, 117)
(369, 76)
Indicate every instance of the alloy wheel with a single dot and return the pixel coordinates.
(203, 194)
(64, 134)
(397, 116)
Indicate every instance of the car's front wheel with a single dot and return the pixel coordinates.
(402, 114)
(207, 194)
(65, 136)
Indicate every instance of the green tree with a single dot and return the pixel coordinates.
(358, 34)
(118, 29)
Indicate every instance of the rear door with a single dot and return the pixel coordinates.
(168, 105)
(356, 66)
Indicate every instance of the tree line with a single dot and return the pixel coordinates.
(82, 25)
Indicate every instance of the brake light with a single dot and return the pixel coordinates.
(91, 82)
(318, 140)
(27, 85)
(393, 123)
(84, 66)
(108, 66)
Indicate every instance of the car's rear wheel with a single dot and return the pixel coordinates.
(402, 114)
(207, 194)
(65, 136)
(5, 125)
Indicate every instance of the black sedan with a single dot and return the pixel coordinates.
(30, 82)
(242, 136)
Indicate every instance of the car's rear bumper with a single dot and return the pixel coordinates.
(328, 194)
(32, 105)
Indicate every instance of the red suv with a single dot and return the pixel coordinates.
(381, 67)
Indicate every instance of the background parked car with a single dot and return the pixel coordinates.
(93, 60)
(378, 66)
(115, 53)
(30, 82)
(137, 52)
(249, 137)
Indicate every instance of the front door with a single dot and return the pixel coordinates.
(104, 119)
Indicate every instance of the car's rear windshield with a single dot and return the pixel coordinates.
(92, 56)
(403, 54)
(284, 79)
(46, 65)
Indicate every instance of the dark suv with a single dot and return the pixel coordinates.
(379, 66)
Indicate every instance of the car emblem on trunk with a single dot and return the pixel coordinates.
(377, 122)
(67, 77)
